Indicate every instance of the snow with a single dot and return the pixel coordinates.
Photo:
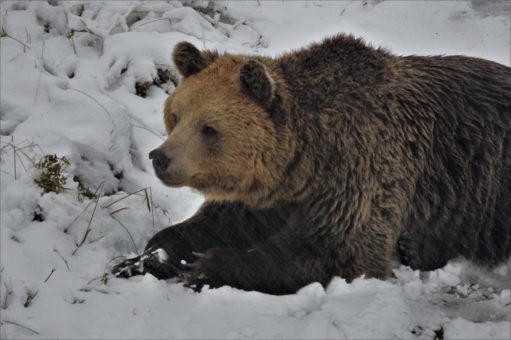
(85, 107)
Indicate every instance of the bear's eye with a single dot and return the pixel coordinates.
(208, 131)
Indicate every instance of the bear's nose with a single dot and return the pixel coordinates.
(160, 161)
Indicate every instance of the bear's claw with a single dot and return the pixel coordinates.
(127, 268)
(198, 255)
(141, 264)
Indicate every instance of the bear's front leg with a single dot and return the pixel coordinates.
(281, 265)
(296, 257)
(228, 224)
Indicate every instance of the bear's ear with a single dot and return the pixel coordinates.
(257, 83)
(189, 60)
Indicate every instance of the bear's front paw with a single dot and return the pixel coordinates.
(127, 268)
(152, 261)
(218, 267)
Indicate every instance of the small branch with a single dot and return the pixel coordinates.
(146, 200)
(19, 158)
(118, 210)
(62, 257)
(40, 73)
(8, 293)
(146, 129)
(17, 150)
(152, 204)
(4, 33)
(11, 145)
(92, 30)
(124, 197)
(345, 8)
(77, 216)
(94, 99)
(20, 150)
(29, 38)
(120, 20)
(127, 231)
(154, 20)
(70, 36)
(86, 30)
(20, 326)
(89, 229)
(14, 156)
(51, 273)
(70, 32)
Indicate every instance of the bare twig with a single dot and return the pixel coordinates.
(31, 145)
(8, 293)
(127, 231)
(62, 257)
(86, 30)
(108, 263)
(4, 33)
(70, 32)
(14, 156)
(29, 38)
(140, 124)
(20, 150)
(124, 197)
(19, 158)
(40, 73)
(93, 30)
(152, 204)
(77, 216)
(146, 129)
(345, 8)
(118, 210)
(146, 200)
(151, 21)
(84, 209)
(97, 289)
(51, 273)
(95, 100)
(20, 326)
(89, 229)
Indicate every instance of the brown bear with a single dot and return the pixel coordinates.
(328, 161)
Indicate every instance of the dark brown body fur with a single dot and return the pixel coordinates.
(384, 154)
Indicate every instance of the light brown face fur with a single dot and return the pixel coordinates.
(219, 140)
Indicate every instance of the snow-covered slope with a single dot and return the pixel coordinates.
(86, 80)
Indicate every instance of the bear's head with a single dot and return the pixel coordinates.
(226, 125)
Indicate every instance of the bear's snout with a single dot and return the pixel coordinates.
(160, 161)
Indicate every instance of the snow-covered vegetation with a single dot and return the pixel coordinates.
(82, 88)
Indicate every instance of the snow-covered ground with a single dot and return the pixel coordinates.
(87, 81)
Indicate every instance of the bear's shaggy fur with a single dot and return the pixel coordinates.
(331, 159)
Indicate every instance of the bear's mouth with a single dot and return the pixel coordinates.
(171, 181)
(173, 184)
(211, 186)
